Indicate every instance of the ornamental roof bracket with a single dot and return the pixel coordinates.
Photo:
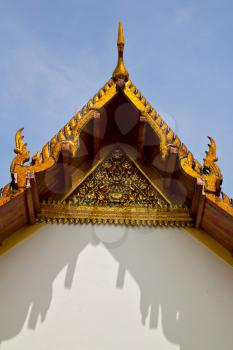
(120, 71)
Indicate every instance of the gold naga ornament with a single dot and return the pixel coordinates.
(21, 173)
(210, 173)
(214, 176)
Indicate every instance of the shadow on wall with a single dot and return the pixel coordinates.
(192, 287)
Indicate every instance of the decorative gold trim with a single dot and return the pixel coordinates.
(69, 135)
(116, 192)
(19, 236)
(160, 132)
(211, 244)
(62, 213)
(67, 140)
(99, 161)
(210, 172)
(94, 166)
(224, 203)
(118, 181)
(149, 180)
(133, 94)
(8, 195)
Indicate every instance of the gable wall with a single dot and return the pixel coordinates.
(110, 287)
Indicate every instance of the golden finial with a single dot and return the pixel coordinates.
(120, 71)
(120, 39)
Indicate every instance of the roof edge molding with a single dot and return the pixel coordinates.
(67, 140)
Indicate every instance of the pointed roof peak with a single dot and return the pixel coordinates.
(120, 39)
(120, 71)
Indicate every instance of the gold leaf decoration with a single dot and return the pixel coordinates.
(116, 192)
(117, 182)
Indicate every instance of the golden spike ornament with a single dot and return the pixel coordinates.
(120, 71)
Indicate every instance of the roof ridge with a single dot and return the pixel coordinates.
(68, 137)
(209, 172)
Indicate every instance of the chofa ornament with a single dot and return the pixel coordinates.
(211, 159)
(21, 174)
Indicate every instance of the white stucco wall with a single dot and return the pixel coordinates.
(69, 287)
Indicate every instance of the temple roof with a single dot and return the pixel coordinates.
(205, 179)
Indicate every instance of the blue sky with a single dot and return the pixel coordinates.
(55, 55)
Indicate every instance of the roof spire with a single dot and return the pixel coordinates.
(120, 71)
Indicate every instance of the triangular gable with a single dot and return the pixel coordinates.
(116, 192)
(204, 180)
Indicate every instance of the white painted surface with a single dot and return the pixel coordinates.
(105, 287)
